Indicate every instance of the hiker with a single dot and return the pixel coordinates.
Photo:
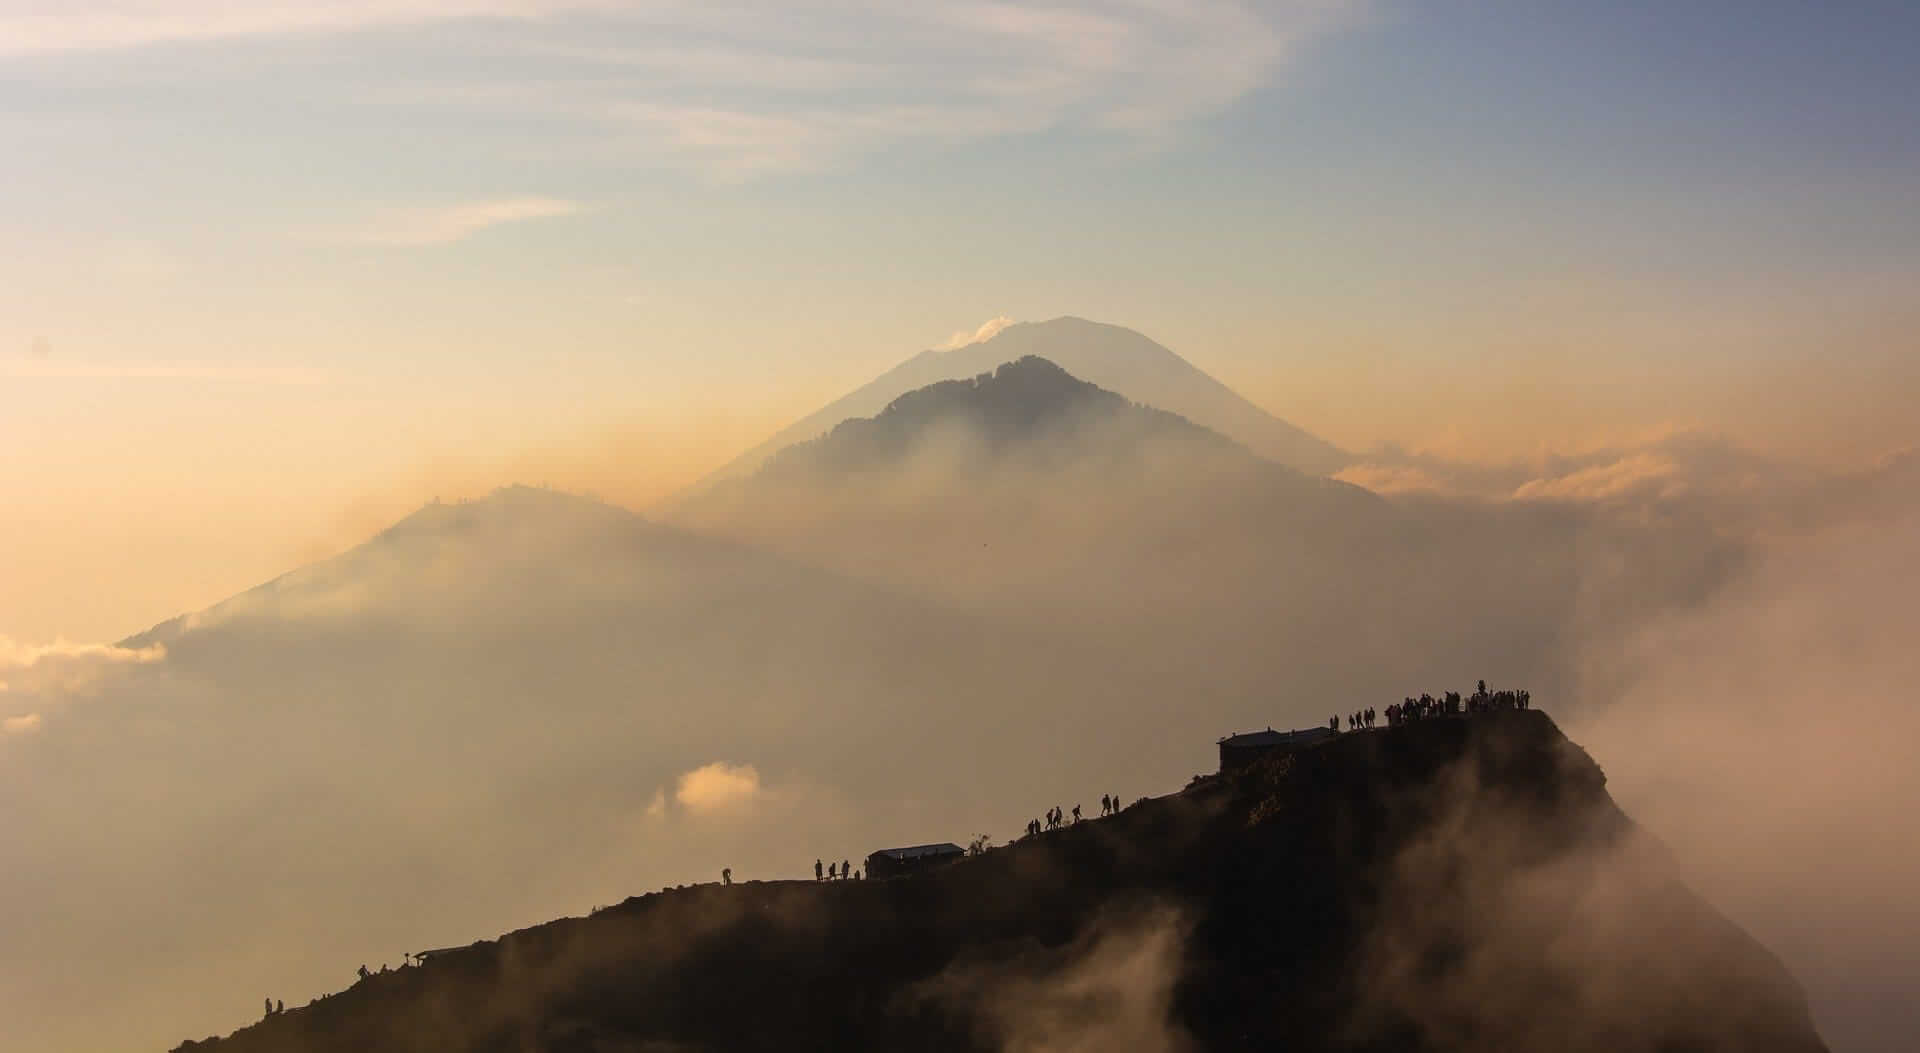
(269, 1007)
(1106, 805)
(363, 972)
(279, 1007)
(726, 875)
(845, 869)
(830, 874)
(816, 870)
(1076, 813)
(1334, 724)
(859, 875)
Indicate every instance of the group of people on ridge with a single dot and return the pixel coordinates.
(1359, 719)
(843, 872)
(1055, 819)
(1447, 705)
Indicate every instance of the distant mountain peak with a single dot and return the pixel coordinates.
(1109, 356)
(1026, 403)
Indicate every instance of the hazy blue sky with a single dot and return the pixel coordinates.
(270, 259)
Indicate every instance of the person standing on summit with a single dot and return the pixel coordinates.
(818, 872)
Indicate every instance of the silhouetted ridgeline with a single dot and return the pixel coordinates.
(1455, 884)
(1017, 405)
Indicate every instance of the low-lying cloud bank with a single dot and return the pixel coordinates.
(1768, 737)
(49, 672)
(1681, 465)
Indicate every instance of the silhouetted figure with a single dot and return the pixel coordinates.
(845, 869)
(1334, 724)
(830, 874)
(859, 875)
(279, 1007)
(817, 870)
(384, 968)
(269, 1007)
(1076, 813)
(726, 875)
(364, 973)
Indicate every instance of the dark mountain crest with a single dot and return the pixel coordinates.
(1028, 400)
(1427, 888)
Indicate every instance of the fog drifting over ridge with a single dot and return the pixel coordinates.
(511, 709)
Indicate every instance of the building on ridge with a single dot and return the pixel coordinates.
(1238, 751)
(891, 862)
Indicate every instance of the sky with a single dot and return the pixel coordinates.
(278, 272)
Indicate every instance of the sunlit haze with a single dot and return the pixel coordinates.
(1574, 345)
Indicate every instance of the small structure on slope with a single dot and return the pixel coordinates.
(889, 862)
(1238, 751)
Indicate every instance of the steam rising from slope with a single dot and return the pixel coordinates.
(1111, 989)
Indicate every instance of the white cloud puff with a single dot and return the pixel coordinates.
(717, 787)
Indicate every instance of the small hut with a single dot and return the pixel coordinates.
(1238, 751)
(891, 862)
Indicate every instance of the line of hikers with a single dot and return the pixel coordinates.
(1055, 819)
(1450, 704)
(1360, 719)
(844, 871)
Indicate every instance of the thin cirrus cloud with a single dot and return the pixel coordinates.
(43, 26)
(446, 224)
(740, 88)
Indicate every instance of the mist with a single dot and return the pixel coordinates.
(1767, 738)
(521, 707)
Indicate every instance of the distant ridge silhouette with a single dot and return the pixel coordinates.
(1109, 356)
(1020, 403)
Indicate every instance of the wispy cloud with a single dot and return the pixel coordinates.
(987, 331)
(739, 88)
(47, 367)
(445, 224)
(36, 26)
